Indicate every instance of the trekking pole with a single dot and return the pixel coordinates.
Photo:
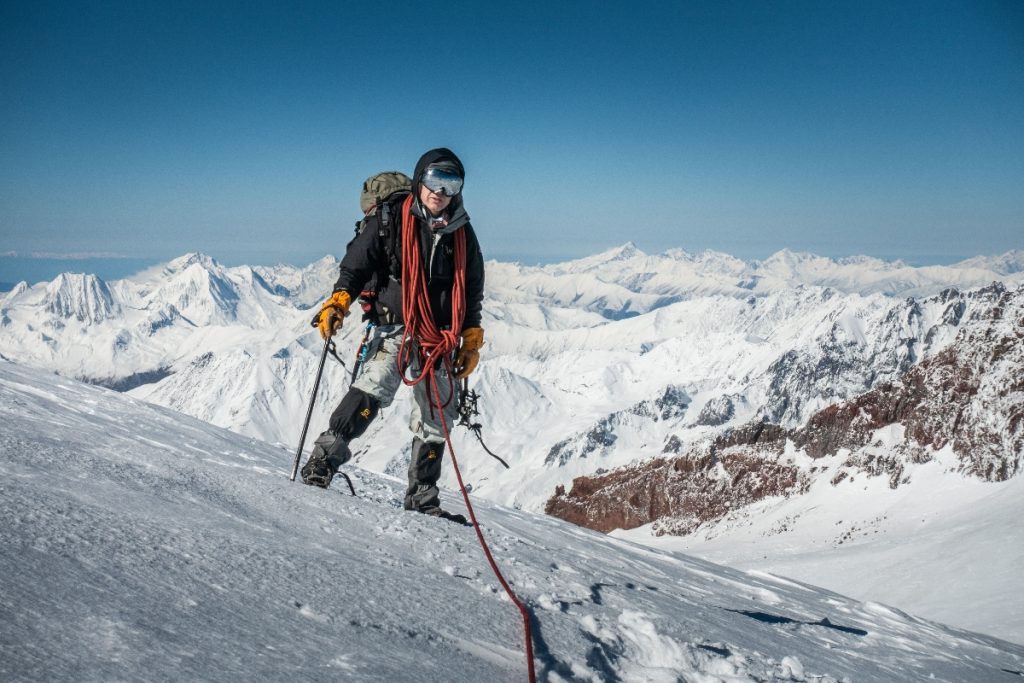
(328, 343)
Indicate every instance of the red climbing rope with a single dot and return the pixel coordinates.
(433, 347)
(421, 336)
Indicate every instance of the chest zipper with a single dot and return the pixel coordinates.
(433, 252)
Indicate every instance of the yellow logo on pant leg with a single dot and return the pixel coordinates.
(432, 455)
(365, 412)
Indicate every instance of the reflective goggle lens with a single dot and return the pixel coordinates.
(442, 182)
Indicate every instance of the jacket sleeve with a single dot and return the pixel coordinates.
(363, 258)
(474, 280)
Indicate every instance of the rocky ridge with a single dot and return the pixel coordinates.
(968, 396)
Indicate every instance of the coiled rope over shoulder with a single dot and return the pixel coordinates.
(422, 340)
(431, 348)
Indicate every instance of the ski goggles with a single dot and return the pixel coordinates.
(443, 182)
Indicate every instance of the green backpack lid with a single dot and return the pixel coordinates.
(381, 186)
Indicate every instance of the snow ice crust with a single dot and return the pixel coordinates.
(141, 544)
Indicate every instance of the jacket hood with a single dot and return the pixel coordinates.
(446, 158)
(441, 155)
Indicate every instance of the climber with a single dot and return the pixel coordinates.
(449, 302)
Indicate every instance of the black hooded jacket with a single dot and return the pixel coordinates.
(367, 255)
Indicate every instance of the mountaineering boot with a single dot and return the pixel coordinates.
(424, 471)
(330, 451)
(316, 472)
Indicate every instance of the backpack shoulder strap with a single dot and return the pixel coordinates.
(389, 223)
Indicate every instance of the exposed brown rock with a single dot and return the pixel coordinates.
(688, 490)
(765, 436)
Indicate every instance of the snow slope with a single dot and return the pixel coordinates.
(140, 544)
(944, 545)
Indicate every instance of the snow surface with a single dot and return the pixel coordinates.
(945, 546)
(141, 544)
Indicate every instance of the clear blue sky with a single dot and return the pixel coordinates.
(244, 130)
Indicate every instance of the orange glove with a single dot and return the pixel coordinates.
(468, 354)
(332, 313)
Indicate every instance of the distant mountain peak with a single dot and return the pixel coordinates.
(623, 252)
(1005, 264)
(191, 259)
(627, 250)
(17, 290)
(789, 257)
(82, 296)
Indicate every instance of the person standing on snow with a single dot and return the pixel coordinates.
(434, 215)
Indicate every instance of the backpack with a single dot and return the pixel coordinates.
(380, 194)
(380, 187)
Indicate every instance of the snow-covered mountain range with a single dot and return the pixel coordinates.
(141, 544)
(619, 360)
(967, 399)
